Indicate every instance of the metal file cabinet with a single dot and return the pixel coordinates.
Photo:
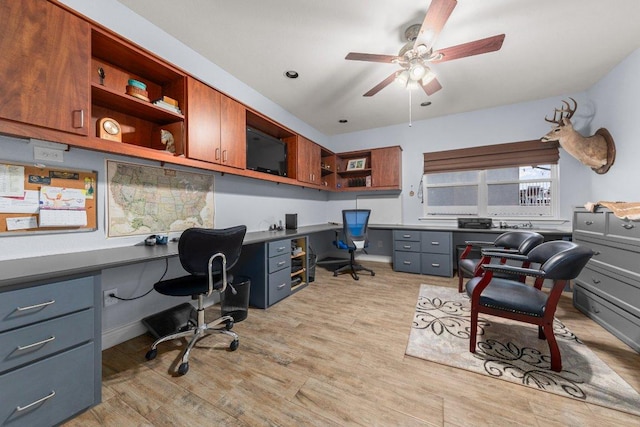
(426, 252)
(608, 288)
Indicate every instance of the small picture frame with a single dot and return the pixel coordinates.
(357, 164)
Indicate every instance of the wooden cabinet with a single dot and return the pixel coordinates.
(376, 169)
(607, 288)
(386, 167)
(308, 161)
(44, 66)
(328, 168)
(215, 126)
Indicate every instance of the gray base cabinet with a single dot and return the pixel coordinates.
(50, 351)
(424, 252)
(608, 288)
(277, 269)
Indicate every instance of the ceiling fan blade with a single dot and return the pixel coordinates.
(437, 16)
(432, 87)
(372, 57)
(490, 44)
(377, 88)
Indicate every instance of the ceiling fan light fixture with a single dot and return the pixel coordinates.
(428, 76)
(417, 70)
(402, 77)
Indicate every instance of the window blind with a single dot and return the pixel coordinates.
(529, 153)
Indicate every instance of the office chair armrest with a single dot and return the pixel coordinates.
(505, 254)
(513, 270)
(477, 243)
(224, 272)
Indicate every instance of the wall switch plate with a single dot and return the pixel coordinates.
(47, 154)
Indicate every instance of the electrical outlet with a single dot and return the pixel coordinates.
(109, 300)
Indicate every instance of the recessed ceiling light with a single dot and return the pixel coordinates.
(425, 104)
(343, 121)
(291, 74)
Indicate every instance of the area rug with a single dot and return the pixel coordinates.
(511, 351)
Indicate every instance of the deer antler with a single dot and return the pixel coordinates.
(565, 113)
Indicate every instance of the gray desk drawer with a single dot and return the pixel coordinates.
(279, 262)
(436, 264)
(627, 230)
(436, 242)
(614, 257)
(407, 246)
(589, 222)
(279, 285)
(619, 322)
(408, 262)
(411, 235)
(37, 303)
(279, 247)
(23, 345)
(616, 288)
(62, 383)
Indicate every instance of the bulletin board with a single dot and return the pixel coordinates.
(46, 199)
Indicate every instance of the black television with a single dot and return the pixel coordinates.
(266, 153)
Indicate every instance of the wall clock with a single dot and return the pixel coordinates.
(110, 129)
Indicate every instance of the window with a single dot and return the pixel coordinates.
(492, 180)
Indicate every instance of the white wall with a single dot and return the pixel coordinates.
(616, 99)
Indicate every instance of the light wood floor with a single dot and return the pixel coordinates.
(333, 355)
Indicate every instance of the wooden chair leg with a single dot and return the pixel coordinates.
(473, 331)
(556, 360)
(460, 279)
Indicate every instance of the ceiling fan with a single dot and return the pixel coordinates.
(418, 52)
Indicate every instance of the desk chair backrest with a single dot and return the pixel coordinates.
(355, 223)
(197, 245)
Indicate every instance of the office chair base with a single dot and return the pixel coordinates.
(221, 325)
(353, 270)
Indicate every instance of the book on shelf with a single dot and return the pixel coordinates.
(167, 106)
(168, 100)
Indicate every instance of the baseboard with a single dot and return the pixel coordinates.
(123, 333)
(373, 258)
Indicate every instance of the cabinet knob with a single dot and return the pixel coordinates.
(588, 222)
(594, 280)
(627, 226)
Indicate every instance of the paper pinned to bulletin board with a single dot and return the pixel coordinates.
(41, 199)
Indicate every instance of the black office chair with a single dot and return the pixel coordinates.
(560, 261)
(208, 255)
(354, 228)
(520, 242)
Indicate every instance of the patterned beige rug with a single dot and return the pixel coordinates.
(511, 351)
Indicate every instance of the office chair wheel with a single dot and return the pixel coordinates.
(183, 368)
(229, 325)
(234, 345)
(373, 274)
(151, 354)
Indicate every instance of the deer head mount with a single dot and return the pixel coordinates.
(597, 151)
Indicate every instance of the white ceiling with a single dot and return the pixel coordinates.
(552, 48)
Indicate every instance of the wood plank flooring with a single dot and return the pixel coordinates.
(333, 355)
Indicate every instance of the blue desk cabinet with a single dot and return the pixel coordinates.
(50, 351)
(608, 288)
(276, 268)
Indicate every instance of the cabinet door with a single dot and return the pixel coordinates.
(308, 161)
(386, 167)
(233, 136)
(203, 122)
(44, 66)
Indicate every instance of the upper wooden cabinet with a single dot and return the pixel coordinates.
(309, 169)
(44, 66)
(215, 126)
(386, 167)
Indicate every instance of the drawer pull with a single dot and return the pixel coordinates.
(406, 262)
(435, 243)
(35, 344)
(282, 286)
(435, 265)
(47, 397)
(596, 253)
(282, 263)
(594, 280)
(406, 236)
(588, 222)
(281, 248)
(406, 247)
(36, 306)
(627, 226)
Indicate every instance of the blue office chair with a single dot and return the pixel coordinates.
(207, 255)
(354, 228)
